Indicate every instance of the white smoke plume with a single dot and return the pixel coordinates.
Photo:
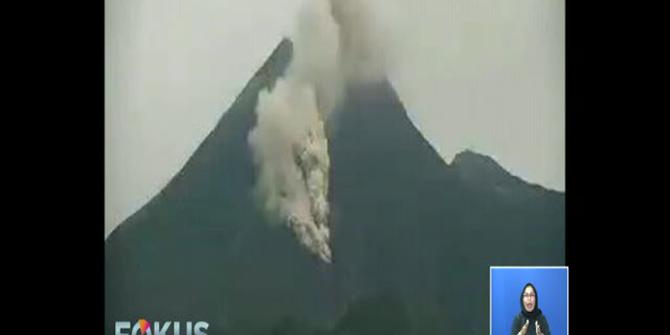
(332, 46)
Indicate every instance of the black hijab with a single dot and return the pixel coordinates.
(536, 311)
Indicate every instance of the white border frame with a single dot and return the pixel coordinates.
(567, 305)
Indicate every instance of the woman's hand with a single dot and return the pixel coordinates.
(524, 329)
(538, 331)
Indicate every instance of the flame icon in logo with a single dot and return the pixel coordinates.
(144, 325)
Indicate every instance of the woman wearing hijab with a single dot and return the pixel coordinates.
(530, 321)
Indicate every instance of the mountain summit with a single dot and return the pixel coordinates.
(412, 237)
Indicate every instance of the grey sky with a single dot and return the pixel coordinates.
(481, 74)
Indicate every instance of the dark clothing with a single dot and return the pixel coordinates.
(532, 316)
(520, 319)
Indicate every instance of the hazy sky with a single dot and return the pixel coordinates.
(481, 74)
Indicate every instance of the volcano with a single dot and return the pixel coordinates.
(412, 236)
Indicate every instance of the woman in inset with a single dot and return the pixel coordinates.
(530, 321)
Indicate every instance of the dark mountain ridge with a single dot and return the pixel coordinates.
(412, 236)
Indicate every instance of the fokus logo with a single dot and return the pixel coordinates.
(144, 327)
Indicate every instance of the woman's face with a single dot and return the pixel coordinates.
(529, 299)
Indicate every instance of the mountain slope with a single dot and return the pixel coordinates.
(411, 235)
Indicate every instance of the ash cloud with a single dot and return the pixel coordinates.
(334, 45)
